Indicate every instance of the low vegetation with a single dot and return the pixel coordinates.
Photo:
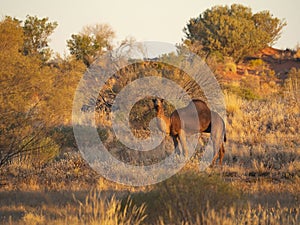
(259, 182)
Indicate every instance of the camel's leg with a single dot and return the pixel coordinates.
(216, 146)
(221, 154)
(214, 159)
(217, 136)
(176, 147)
(182, 139)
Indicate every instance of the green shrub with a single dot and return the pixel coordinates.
(64, 136)
(230, 67)
(248, 94)
(256, 63)
(243, 92)
(218, 56)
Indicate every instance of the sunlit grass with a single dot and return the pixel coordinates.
(261, 161)
(96, 208)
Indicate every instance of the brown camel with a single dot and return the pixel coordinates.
(177, 127)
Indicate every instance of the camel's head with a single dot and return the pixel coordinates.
(158, 103)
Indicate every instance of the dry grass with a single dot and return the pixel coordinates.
(233, 103)
(66, 208)
(261, 161)
(259, 215)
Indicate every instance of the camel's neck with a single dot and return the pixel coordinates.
(165, 125)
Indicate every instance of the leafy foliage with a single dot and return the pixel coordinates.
(32, 93)
(36, 37)
(83, 48)
(233, 31)
(92, 42)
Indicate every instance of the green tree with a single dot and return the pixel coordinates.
(91, 42)
(36, 37)
(83, 47)
(24, 91)
(268, 26)
(232, 31)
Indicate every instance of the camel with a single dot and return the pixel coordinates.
(177, 127)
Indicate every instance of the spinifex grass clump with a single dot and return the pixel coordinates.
(99, 209)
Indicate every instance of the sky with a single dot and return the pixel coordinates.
(143, 20)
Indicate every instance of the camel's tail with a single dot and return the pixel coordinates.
(224, 131)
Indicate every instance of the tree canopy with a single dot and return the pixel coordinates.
(91, 42)
(36, 37)
(34, 96)
(233, 31)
